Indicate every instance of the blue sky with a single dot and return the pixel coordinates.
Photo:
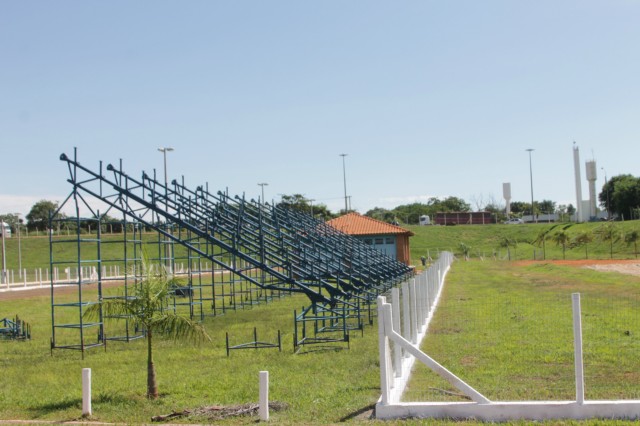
(427, 98)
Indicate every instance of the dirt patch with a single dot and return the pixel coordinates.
(628, 266)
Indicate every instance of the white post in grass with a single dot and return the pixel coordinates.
(577, 342)
(397, 349)
(263, 410)
(86, 392)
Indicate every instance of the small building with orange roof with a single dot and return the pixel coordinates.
(390, 239)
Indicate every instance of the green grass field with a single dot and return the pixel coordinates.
(501, 326)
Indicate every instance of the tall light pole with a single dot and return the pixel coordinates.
(19, 246)
(4, 255)
(606, 188)
(344, 175)
(263, 184)
(533, 213)
(164, 151)
(168, 249)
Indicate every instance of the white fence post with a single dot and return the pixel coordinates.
(383, 350)
(413, 312)
(397, 349)
(86, 392)
(577, 342)
(264, 396)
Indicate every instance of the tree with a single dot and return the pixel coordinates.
(546, 206)
(299, 203)
(620, 195)
(38, 216)
(510, 242)
(148, 305)
(609, 232)
(632, 238)
(561, 238)
(541, 240)
(583, 239)
(381, 214)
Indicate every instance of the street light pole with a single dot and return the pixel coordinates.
(263, 184)
(606, 188)
(4, 255)
(19, 246)
(164, 151)
(533, 213)
(344, 175)
(167, 250)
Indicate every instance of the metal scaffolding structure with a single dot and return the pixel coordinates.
(238, 253)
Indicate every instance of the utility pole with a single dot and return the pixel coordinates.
(344, 175)
(263, 184)
(533, 212)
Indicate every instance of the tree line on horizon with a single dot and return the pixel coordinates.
(620, 196)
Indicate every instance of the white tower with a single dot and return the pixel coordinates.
(506, 193)
(590, 167)
(576, 166)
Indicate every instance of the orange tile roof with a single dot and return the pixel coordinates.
(356, 224)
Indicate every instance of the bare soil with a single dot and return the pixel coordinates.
(627, 266)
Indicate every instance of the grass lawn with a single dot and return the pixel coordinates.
(507, 331)
(505, 328)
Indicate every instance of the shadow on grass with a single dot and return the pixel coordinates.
(314, 349)
(40, 410)
(363, 413)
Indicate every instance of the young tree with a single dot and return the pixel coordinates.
(609, 232)
(149, 307)
(541, 240)
(561, 238)
(583, 239)
(632, 238)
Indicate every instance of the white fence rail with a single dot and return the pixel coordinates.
(41, 277)
(402, 325)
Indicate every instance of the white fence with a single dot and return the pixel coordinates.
(404, 322)
(41, 277)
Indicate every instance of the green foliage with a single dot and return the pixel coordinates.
(584, 238)
(621, 195)
(410, 213)
(632, 237)
(148, 306)
(38, 216)
(302, 204)
(561, 238)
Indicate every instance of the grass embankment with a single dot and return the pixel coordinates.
(485, 240)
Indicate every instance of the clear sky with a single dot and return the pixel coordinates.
(427, 98)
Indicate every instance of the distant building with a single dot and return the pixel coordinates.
(464, 218)
(7, 230)
(390, 239)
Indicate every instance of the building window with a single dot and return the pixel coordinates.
(390, 240)
(379, 241)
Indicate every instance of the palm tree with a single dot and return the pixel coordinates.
(561, 238)
(609, 232)
(583, 239)
(633, 237)
(510, 242)
(541, 239)
(148, 306)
